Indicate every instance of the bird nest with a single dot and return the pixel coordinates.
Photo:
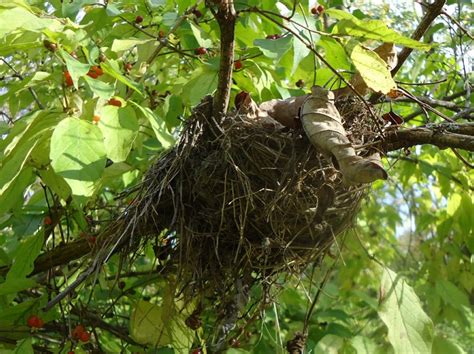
(239, 200)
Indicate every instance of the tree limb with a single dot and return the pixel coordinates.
(226, 18)
(459, 136)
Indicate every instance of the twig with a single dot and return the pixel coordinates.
(432, 102)
(463, 160)
(163, 44)
(316, 298)
(79, 280)
(456, 22)
(434, 10)
(32, 91)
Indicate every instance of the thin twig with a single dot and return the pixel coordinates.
(32, 91)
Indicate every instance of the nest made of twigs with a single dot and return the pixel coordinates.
(239, 198)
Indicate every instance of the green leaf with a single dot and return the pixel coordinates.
(75, 67)
(202, 83)
(100, 88)
(363, 345)
(12, 197)
(120, 45)
(274, 48)
(78, 155)
(329, 344)
(451, 294)
(119, 127)
(111, 68)
(334, 53)
(71, 8)
(57, 184)
(152, 324)
(22, 265)
(370, 29)
(16, 18)
(443, 345)
(24, 346)
(410, 330)
(300, 51)
(158, 126)
(373, 70)
(201, 37)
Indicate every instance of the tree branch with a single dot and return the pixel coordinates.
(452, 106)
(448, 135)
(434, 10)
(226, 18)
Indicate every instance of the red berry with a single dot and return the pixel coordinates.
(35, 322)
(238, 65)
(139, 19)
(85, 336)
(68, 79)
(394, 93)
(161, 34)
(47, 220)
(196, 351)
(314, 11)
(95, 72)
(200, 51)
(115, 102)
(197, 13)
(95, 119)
(320, 9)
(128, 66)
(70, 352)
(77, 331)
(98, 70)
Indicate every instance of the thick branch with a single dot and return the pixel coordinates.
(459, 136)
(226, 18)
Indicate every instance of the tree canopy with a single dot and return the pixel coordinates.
(93, 93)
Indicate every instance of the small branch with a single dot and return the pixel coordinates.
(95, 321)
(460, 136)
(434, 10)
(18, 75)
(163, 44)
(457, 23)
(432, 102)
(226, 18)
